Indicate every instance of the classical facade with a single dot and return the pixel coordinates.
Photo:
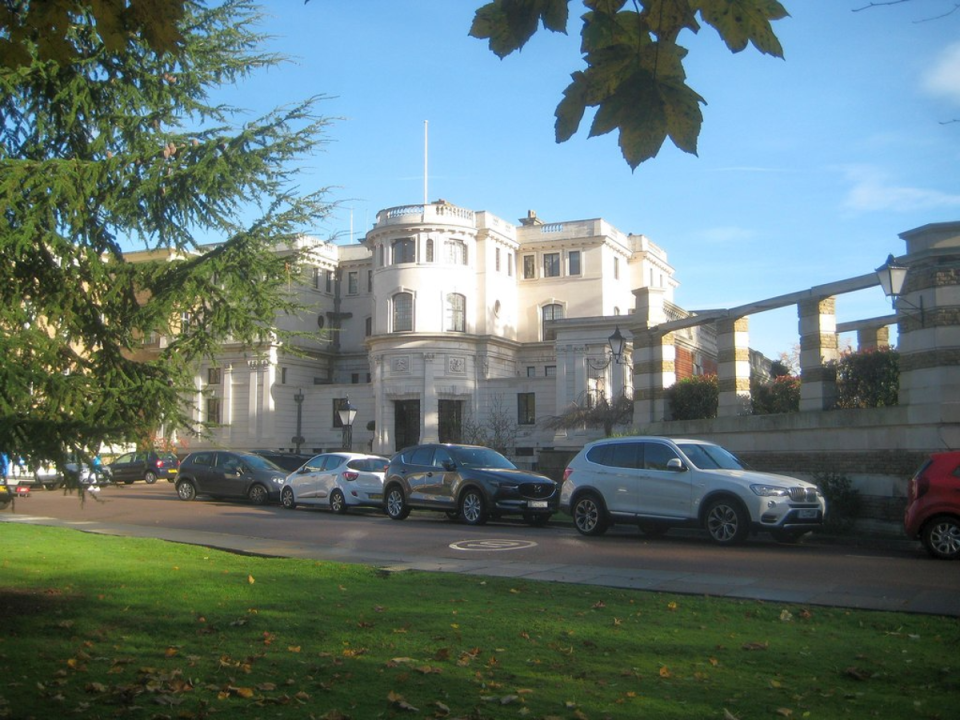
(442, 321)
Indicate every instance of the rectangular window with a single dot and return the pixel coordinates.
(328, 280)
(531, 371)
(369, 281)
(526, 409)
(353, 283)
(283, 376)
(368, 326)
(337, 404)
(529, 267)
(213, 376)
(573, 262)
(616, 268)
(213, 410)
(496, 255)
(510, 264)
(551, 264)
(550, 371)
(316, 278)
(355, 378)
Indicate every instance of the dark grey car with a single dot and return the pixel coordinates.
(466, 481)
(229, 474)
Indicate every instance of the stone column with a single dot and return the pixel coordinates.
(430, 412)
(929, 341)
(818, 353)
(873, 338)
(733, 366)
(654, 357)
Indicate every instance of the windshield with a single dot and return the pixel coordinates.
(481, 458)
(710, 457)
(255, 461)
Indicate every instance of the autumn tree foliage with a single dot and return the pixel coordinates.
(694, 398)
(869, 378)
(634, 75)
(109, 146)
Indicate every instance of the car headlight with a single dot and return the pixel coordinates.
(278, 480)
(769, 491)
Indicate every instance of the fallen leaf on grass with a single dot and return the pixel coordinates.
(784, 712)
(250, 579)
(398, 702)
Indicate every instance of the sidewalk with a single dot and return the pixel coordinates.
(852, 594)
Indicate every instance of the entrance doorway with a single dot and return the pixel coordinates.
(451, 421)
(406, 427)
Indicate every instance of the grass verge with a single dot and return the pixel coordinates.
(106, 627)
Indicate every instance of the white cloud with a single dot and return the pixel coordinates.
(943, 79)
(872, 190)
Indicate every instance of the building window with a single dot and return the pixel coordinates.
(550, 370)
(213, 376)
(380, 251)
(526, 409)
(353, 283)
(316, 278)
(496, 256)
(213, 410)
(529, 267)
(337, 404)
(404, 251)
(355, 378)
(283, 376)
(510, 264)
(403, 312)
(551, 264)
(550, 312)
(456, 252)
(616, 268)
(369, 281)
(531, 371)
(429, 249)
(328, 280)
(573, 262)
(368, 327)
(456, 313)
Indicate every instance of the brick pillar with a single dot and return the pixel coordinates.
(873, 338)
(818, 353)
(654, 370)
(733, 366)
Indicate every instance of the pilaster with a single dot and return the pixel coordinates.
(733, 367)
(818, 353)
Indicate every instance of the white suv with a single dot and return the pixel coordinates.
(659, 483)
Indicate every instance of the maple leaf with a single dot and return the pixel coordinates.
(509, 24)
(250, 579)
(398, 702)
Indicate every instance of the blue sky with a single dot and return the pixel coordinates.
(808, 168)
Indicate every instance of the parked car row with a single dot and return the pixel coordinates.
(653, 482)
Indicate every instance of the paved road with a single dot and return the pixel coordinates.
(858, 572)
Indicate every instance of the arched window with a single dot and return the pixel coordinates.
(403, 312)
(456, 313)
(429, 249)
(550, 312)
(404, 251)
(456, 252)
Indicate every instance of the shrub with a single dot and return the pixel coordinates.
(694, 398)
(781, 395)
(870, 378)
(843, 501)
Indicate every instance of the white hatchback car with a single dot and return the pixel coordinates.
(336, 480)
(659, 483)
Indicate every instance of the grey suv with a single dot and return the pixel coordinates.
(659, 483)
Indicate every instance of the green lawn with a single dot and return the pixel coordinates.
(104, 627)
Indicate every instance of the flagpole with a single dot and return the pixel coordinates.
(425, 144)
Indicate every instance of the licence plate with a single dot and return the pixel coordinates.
(172, 471)
(810, 514)
(537, 504)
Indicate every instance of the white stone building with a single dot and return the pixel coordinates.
(440, 319)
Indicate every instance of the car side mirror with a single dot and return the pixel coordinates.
(449, 465)
(675, 464)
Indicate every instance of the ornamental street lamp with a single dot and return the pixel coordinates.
(892, 277)
(297, 439)
(347, 414)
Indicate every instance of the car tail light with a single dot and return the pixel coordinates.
(350, 475)
(567, 473)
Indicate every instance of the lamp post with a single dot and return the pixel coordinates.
(892, 277)
(347, 414)
(298, 438)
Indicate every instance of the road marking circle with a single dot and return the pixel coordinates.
(492, 545)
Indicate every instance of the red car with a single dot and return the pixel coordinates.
(933, 506)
